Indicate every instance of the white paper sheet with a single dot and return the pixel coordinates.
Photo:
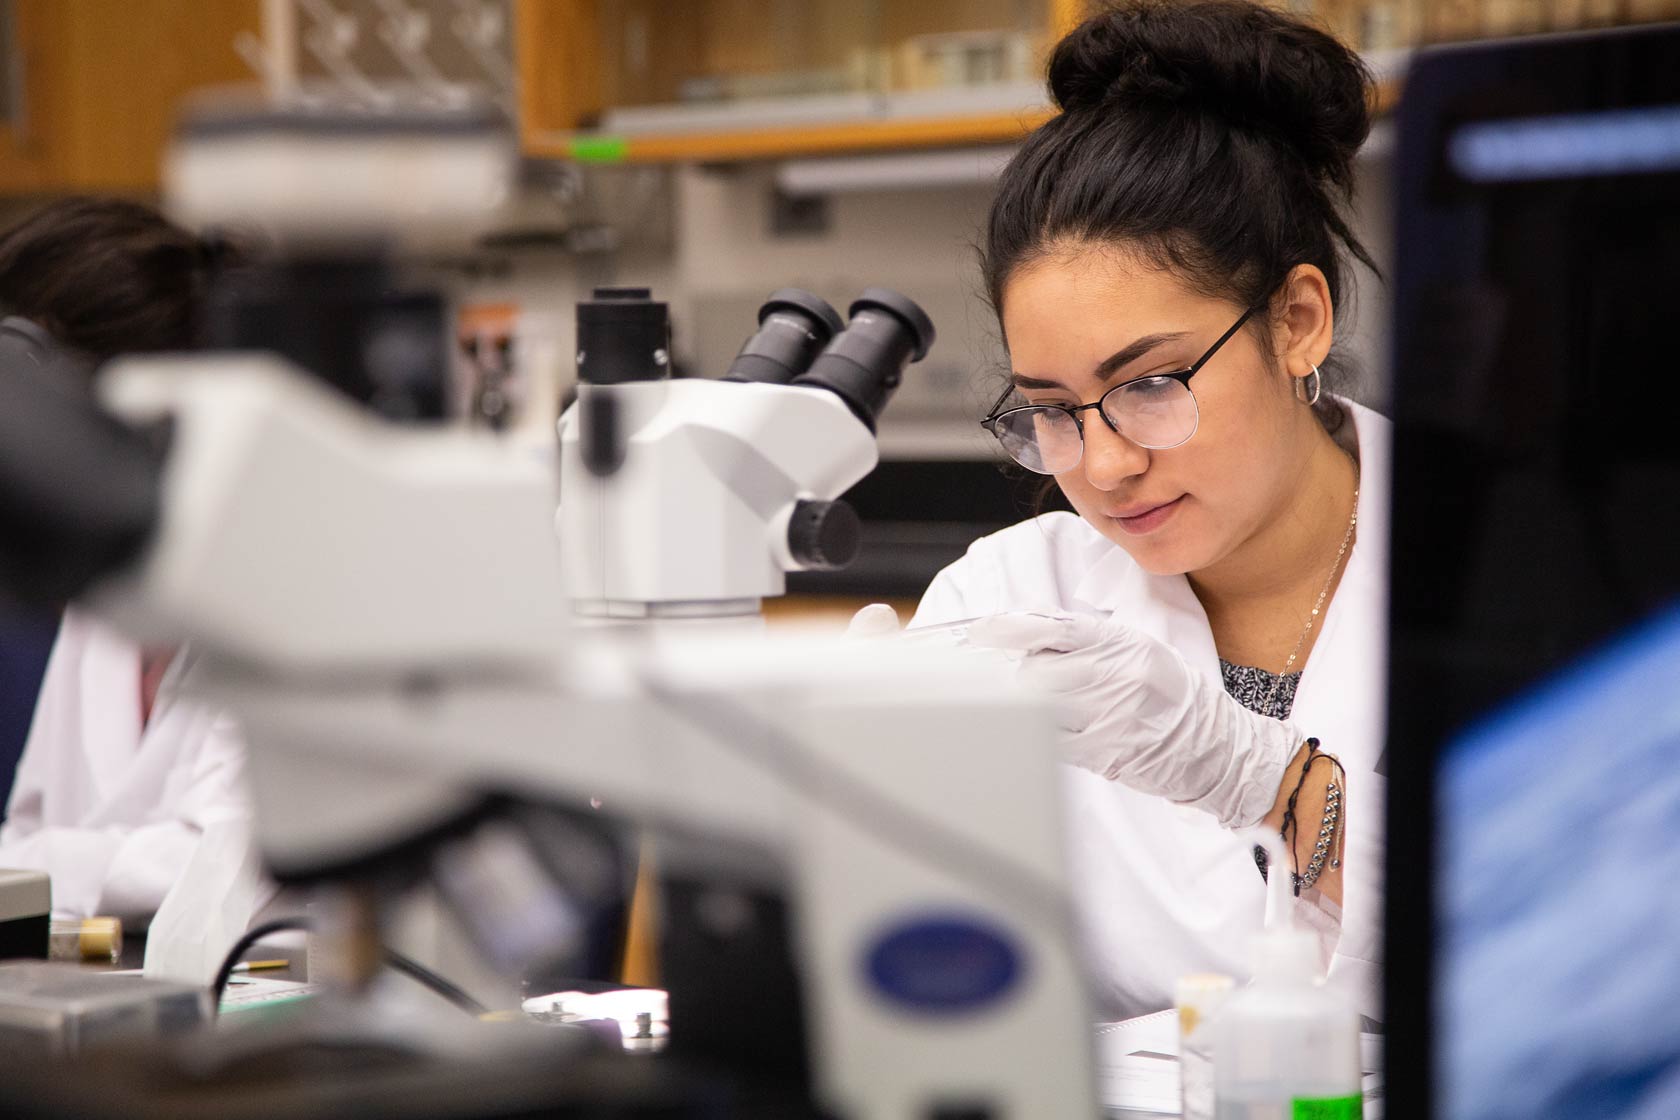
(1137, 1064)
(209, 907)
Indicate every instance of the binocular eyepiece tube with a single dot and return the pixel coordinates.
(793, 328)
(800, 341)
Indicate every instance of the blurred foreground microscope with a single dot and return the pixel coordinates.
(863, 909)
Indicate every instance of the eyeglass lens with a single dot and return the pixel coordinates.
(1152, 412)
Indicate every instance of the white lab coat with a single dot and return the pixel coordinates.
(1163, 890)
(109, 809)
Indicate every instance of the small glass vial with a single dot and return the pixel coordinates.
(87, 940)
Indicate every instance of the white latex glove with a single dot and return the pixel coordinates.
(1135, 712)
(877, 620)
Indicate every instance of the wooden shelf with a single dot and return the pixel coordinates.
(771, 143)
(836, 138)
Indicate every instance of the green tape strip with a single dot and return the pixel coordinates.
(1328, 1108)
(599, 149)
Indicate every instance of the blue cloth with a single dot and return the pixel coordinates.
(25, 641)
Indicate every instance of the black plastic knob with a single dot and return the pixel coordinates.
(824, 536)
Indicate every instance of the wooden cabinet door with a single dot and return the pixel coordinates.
(99, 83)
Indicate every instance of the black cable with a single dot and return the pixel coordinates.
(408, 966)
(413, 969)
(247, 939)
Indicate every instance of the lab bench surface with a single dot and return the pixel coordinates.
(132, 955)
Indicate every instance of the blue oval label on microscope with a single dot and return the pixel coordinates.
(943, 964)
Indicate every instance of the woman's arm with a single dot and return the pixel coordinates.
(1344, 906)
(125, 869)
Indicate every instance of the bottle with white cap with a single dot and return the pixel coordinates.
(1286, 1047)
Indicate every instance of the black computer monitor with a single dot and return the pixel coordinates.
(1536, 553)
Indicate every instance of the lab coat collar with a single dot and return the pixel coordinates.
(1352, 646)
(1165, 607)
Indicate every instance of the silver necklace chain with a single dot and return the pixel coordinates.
(1318, 605)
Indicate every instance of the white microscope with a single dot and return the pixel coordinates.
(865, 911)
(692, 499)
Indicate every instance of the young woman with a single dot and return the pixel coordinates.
(118, 778)
(1167, 257)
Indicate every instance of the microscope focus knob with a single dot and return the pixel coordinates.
(824, 536)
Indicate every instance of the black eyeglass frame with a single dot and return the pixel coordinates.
(1181, 376)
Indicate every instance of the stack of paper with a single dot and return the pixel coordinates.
(1137, 1067)
(1137, 1064)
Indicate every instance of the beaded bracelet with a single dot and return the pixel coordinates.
(1329, 843)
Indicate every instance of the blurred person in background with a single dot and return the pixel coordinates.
(118, 778)
(1168, 257)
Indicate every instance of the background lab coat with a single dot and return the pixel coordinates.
(111, 810)
(1162, 889)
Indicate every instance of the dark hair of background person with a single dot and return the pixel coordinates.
(1215, 138)
(105, 276)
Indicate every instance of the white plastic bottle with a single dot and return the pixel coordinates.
(1286, 1047)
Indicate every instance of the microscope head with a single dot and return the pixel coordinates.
(693, 498)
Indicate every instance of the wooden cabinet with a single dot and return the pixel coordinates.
(665, 80)
(650, 80)
(94, 86)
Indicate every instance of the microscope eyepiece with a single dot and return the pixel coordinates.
(623, 334)
(793, 327)
(864, 362)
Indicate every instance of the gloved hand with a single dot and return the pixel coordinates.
(1135, 712)
(877, 620)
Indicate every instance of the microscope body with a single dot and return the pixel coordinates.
(685, 499)
(697, 520)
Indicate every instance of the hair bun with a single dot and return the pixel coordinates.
(1254, 67)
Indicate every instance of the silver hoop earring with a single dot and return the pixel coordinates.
(1301, 393)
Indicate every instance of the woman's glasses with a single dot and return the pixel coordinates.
(1157, 412)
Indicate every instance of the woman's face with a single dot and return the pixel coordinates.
(1188, 507)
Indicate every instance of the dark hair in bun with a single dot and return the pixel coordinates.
(1217, 137)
